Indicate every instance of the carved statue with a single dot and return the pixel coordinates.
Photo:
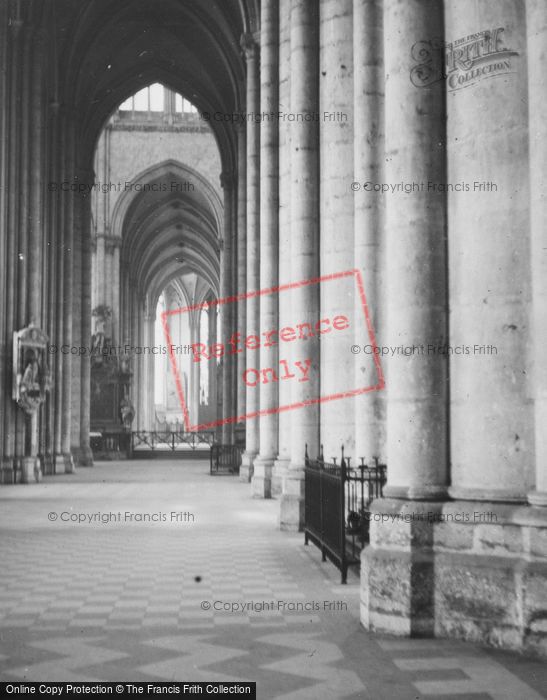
(30, 381)
(31, 373)
(102, 314)
(127, 412)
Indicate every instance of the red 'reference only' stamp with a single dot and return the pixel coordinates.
(298, 361)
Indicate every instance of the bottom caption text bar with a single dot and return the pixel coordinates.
(206, 690)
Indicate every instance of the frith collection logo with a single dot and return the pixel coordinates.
(463, 62)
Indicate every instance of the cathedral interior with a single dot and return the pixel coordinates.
(273, 275)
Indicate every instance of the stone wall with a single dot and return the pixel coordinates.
(462, 569)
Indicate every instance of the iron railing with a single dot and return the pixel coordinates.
(170, 439)
(225, 459)
(336, 506)
(110, 443)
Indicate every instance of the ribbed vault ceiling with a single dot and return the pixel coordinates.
(103, 52)
(168, 234)
(106, 51)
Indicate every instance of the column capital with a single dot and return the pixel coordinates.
(249, 43)
(111, 242)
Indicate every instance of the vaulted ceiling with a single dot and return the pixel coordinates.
(167, 233)
(105, 51)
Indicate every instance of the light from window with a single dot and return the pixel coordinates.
(141, 100)
(152, 98)
(127, 106)
(156, 97)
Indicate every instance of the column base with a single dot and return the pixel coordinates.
(538, 498)
(246, 469)
(291, 506)
(261, 484)
(279, 471)
(75, 452)
(7, 470)
(417, 493)
(47, 464)
(85, 457)
(29, 470)
(64, 464)
(489, 495)
(467, 570)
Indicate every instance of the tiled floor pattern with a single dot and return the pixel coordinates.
(125, 600)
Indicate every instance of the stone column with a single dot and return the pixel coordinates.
(35, 250)
(253, 247)
(5, 394)
(234, 280)
(336, 218)
(126, 308)
(76, 311)
(145, 376)
(64, 461)
(149, 377)
(100, 260)
(13, 143)
(304, 247)
(212, 338)
(269, 243)
(226, 310)
(135, 386)
(167, 371)
(115, 282)
(136, 358)
(145, 361)
(52, 273)
(536, 22)
(491, 407)
(31, 467)
(415, 266)
(284, 391)
(194, 369)
(110, 245)
(416, 299)
(59, 465)
(241, 259)
(22, 421)
(368, 156)
(86, 455)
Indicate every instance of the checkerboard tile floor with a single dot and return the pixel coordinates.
(127, 600)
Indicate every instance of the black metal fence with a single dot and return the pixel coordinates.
(170, 440)
(336, 506)
(225, 459)
(110, 445)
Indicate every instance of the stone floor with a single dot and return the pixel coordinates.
(134, 601)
